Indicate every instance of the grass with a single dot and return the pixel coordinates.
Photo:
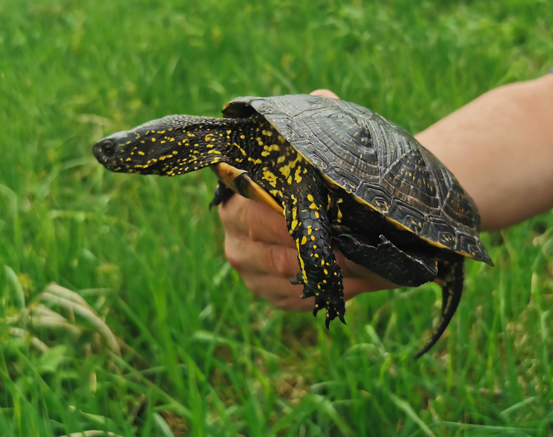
(150, 333)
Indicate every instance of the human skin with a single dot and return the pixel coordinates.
(500, 148)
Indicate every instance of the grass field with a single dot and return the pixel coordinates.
(150, 332)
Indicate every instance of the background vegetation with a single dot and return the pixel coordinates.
(150, 333)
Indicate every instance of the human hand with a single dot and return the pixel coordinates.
(259, 247)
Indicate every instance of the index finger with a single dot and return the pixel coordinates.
(258, 221)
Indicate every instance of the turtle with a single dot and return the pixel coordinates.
(342, 176)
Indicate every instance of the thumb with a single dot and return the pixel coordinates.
(325, 93)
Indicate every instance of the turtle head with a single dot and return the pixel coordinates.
(163, 146)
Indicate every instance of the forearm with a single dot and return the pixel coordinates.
(500, 147)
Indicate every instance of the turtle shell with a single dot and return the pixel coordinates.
(377, 161)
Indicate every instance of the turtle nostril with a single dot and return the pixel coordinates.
(108, 148)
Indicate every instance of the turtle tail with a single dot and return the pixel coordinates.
(452, 290)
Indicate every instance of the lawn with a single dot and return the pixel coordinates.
(118, 310)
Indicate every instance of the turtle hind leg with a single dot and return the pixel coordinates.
(452, 275)
(405, 268)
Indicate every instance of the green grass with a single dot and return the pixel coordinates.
(168, 341)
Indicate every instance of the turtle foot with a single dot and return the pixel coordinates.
(335, 307)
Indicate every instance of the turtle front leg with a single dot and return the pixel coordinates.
(320, 274)
(222, 194)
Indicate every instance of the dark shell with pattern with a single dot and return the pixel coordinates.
(377, 161)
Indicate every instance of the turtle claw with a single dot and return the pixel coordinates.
(320, 303)
(333, 309)
(331, 315)
(298, 280)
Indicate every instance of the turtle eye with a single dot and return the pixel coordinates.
(108, 147)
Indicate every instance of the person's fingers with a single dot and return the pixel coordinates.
(253, 258)
(280, 293)
(247, 256)
(257, 221)
(325, 93)
(257, 241)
